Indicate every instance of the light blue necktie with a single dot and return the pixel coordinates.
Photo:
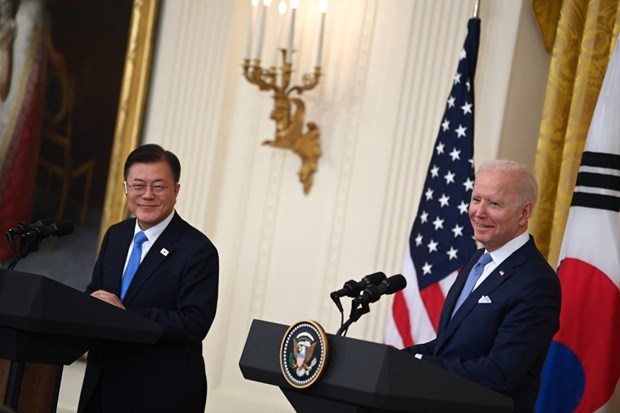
(134, 262)
(472, 278)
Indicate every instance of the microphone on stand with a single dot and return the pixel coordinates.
(45, 228)
(352, 288)
(372, 293)
(31, 234)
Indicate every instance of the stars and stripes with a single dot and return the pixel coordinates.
(442, 237)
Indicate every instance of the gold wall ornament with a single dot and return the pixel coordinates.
(132, 105)
(289, 111)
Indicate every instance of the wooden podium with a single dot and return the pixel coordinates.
(365, 377)
(44, 325)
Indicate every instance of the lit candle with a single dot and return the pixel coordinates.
(261, 28)
(248, 39)
(289, 49)
(279, 25)
(319, 52)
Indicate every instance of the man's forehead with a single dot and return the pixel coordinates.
(497, 184)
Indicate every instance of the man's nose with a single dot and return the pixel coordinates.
(148, 192)
(481, 209)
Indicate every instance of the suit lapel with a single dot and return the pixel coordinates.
(455, 290)
(502, 273)
(117, 263)
(163, 248)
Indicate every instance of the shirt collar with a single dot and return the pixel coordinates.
(506, 250)
(155, 231)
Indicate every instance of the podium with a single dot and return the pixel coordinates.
(44, 325)
(366, 377)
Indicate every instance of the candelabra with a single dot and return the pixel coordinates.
(289, 111)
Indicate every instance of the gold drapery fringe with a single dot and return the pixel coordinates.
(584, 40)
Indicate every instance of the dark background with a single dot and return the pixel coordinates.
(92, 37)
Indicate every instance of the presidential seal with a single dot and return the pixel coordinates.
(303, 354)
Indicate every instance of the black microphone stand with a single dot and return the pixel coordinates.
(27, 245)
(336, 299)
(357, 310)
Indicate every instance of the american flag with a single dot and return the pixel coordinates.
(442, 237)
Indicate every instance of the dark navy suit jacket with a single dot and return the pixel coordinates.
(502, 344)
(175, 286)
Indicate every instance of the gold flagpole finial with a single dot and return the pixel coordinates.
(476, 8)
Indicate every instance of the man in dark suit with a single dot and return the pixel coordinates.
(175, 285)
(499, 334)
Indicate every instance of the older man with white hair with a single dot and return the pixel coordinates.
(503, 309)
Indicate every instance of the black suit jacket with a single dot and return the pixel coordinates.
(176, 286)
(500, 335)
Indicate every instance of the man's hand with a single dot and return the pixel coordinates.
(108, 297)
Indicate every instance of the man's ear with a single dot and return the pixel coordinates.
(526, 213)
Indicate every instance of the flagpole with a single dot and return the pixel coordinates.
(476, 9)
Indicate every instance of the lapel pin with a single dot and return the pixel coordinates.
(165, 253)
(501, 273)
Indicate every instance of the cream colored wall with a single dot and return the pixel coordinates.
(388, 65)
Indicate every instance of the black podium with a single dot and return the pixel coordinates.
(44, 322)
(365, 377)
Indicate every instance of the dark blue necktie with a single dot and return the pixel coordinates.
(134, 262)
(472, 278)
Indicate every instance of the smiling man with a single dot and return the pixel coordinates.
(501, 313)
(158, 266)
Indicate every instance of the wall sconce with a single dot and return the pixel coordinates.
(288, 112)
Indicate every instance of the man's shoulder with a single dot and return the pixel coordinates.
(187, 231)
(539, 271)
(535, 257)
(122, 226)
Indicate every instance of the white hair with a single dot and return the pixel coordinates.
(527, 188)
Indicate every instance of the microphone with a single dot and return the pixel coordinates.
(20, 229)
(31, 234)
(44, 228)
(372, 293)
(351, 288)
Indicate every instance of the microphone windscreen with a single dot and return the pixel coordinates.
(396, 283)
(374, 279)
(62, 228)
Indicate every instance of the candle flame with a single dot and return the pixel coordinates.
(323, 6)
(282, 7)
(294, 4)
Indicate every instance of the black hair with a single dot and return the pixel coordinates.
(152, 153)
